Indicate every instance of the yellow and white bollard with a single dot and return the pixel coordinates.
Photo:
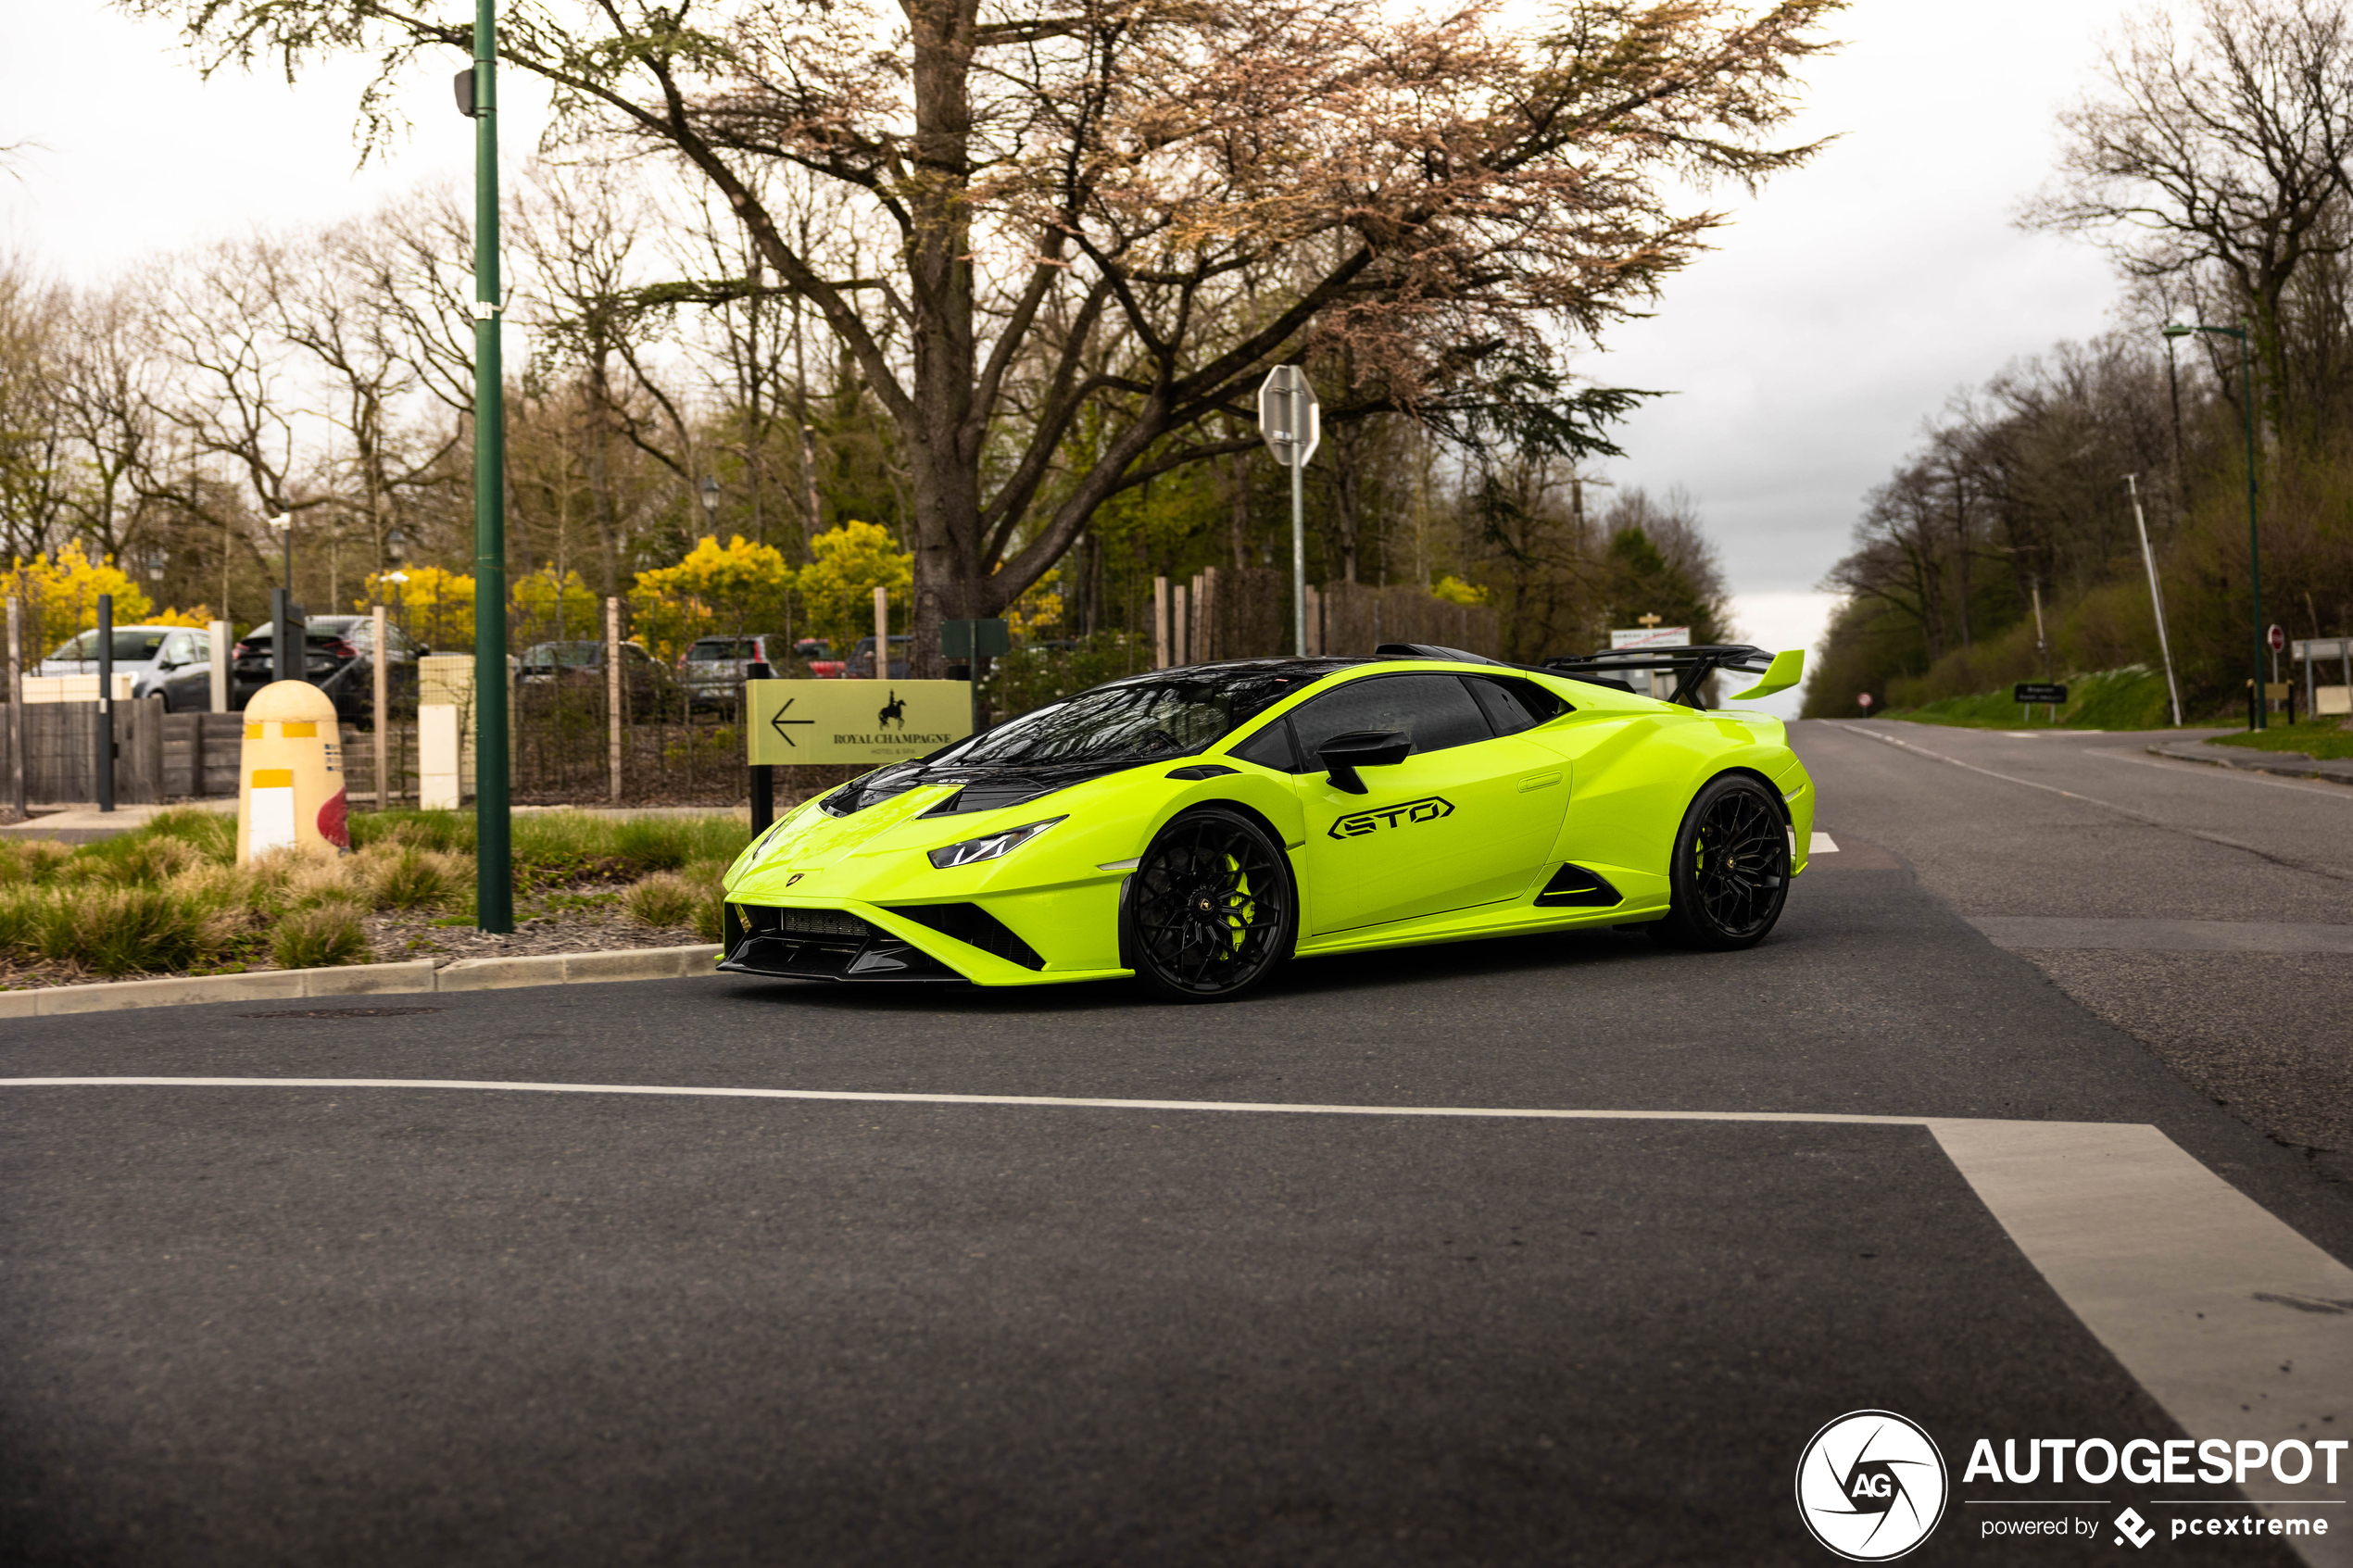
(290, 773)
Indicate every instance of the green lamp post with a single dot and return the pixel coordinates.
(2257, 719)
(493, 851)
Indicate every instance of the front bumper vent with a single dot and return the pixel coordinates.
(821, 945)
(975, 926)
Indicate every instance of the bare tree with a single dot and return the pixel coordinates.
(2219, 158)
(32, 481)
(1440, 191)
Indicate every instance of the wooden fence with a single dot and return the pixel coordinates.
(1226, 612)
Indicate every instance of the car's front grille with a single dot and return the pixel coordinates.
(821, 945)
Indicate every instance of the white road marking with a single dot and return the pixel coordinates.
(2234, 1323)
(2105, 806)
(1822, 844)
(2179, 1275)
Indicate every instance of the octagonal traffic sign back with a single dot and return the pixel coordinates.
(1290, 419)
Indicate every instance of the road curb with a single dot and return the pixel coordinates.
(2294, 765)
(572, 969)
(364, 980)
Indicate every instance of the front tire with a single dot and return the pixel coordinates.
(1729, 874)
(1211, 910)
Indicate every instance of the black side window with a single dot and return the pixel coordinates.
(1514, 706)
(1271, 747)
(1437, 710)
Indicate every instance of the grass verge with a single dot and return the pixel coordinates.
(168, 898)
(2133, 698)
(2314, 738)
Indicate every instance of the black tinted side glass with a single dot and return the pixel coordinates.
(1435, 709)
(1514, 706)
(1271, 747)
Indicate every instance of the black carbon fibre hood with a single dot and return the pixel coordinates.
(979, 787)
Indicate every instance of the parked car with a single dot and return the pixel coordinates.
(715, 668)
(172, 663)
(338, 659)
(556, 666)
(861, 666)
(1323, 806)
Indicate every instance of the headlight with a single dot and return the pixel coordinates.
(988, 848)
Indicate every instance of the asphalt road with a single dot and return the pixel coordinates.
(2207, 912)
(259, 1325)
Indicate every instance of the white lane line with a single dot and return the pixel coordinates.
(2105, 806)
(1822, 844)
(1065, 1101)
(2233, 1321)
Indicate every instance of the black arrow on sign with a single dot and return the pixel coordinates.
(779, 722)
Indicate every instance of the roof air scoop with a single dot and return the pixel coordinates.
(1431, 650)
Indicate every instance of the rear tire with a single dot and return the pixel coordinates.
(1211, 910)
(1729, 876)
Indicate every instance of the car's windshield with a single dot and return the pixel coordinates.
(722, 647)
(578, 656)
(130, 646)
(1173, 714)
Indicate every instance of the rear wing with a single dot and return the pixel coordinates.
(1690, 666)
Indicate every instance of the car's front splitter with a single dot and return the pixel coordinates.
(874, 943)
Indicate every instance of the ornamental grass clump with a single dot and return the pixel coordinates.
(321, 938)
(404, 877)
(125, 930)
(705, 877)
(34, 861)
(663, 899)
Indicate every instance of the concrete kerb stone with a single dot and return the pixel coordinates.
(364, 980)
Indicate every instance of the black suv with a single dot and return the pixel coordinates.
(337, 657)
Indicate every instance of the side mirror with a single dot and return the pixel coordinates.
(1342, 755)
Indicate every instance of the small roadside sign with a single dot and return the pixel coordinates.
(1290, 419)
(2029, 693)
(2277, 639)
(968, 639)
(796, 722)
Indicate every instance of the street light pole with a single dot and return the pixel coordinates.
(2257, 718)
(493, 853)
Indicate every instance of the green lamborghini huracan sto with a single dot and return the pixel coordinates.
(1194, 828)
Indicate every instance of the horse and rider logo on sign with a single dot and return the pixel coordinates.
(836, 722)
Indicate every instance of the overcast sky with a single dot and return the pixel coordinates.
(1839, 310)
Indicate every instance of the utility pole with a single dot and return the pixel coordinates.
(2157, 595)
(493, 849)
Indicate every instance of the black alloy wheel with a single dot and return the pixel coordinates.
(1729, 874)
(1209, 909)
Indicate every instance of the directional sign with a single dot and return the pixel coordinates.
(1649, 637)
(1290, 420)
(863, 721)
(2029, 693)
